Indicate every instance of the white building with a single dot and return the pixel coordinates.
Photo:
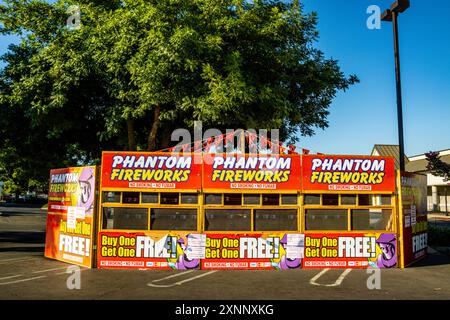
(438, 189)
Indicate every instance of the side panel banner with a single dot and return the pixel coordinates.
(252, 172)
(157, 171)
(149, 250)
(414, 206)
(377, 250)
(70, 218)
(348, 173)
(253, 251)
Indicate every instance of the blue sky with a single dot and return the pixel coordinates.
(366, 113)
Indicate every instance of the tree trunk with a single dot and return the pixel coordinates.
(131, 136)
(154, 130)
(165, 140)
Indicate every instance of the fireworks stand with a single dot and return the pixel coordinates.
(197, 210)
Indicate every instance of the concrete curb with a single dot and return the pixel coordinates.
(440, 217)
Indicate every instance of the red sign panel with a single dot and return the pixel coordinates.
(144, 170)
(414, 207)
(251, 172)
(348, 173)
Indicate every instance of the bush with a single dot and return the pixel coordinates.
(439, 237)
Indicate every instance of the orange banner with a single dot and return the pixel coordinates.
(70, 218)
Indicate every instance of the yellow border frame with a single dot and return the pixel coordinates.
(401, 220)
(395, 206)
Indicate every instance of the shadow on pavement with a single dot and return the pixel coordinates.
(24, 249)
(21, 212)
(22, 205)
(22, 241)
(22, 237)
(433, 259)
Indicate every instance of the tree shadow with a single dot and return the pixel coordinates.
(23, 236)
(40, 249)
(11, 213)
(22, 205)
(29, 239)
(434, 258)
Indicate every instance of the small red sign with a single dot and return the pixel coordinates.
(348, 173)
(252, 172)
(156, 171)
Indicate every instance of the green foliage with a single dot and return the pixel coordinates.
(437, 236)
(436, 166)
(68, 94)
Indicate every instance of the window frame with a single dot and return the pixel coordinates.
(330, 208)
(300, 207)
(227, 208)
(197, 206)
(221, 204)
(349, 208)
(123, 230)
(297, 212)
(252, 208)
(172, 207)
(103, 192)
(391, 220)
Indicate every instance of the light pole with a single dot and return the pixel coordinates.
(392, 15)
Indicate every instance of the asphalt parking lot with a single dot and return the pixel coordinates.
(26, 274)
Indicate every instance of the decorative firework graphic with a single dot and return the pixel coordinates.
(70, 217)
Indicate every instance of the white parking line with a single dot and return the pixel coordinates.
(22, 280)
(41, 271)
(10, 277)
(34, 272)
(173, 276)
(17, 255)
(7, 261)
(150, 284)
(337, 283)
(14, 259)
(341, 278)
(196, 277)
(65, 272)
(317, 276)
